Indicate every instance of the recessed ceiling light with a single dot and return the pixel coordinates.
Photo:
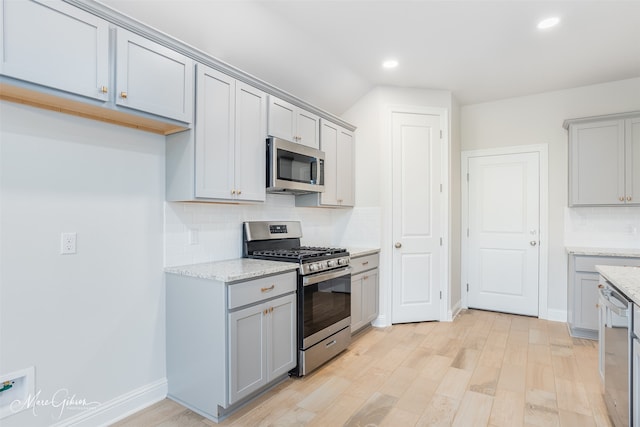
(548, 23)
(390, 63)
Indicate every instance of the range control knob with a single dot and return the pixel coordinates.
(332, 263)
(313, 267)
(343, 261)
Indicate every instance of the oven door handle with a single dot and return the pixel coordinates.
(605, 299)
(321, 277)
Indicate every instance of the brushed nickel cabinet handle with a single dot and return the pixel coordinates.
(270, 288)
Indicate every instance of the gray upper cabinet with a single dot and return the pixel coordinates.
(153, 78)
(55, 45)
(293, 123)
(337, 143)
(223, 158)
(604, 161)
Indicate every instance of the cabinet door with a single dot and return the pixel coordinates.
(247, 351)
(250, 143)
(632, 156)
(597, 163)
(282, 119)
(329, 144)
(214, 132)
(344, 171)
(356, 303)
(38, 35)
(585, 301)
(370, 296)
(153, 78)
(282, 331)
(307, 129)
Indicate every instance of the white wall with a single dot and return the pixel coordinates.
(93, 322)
(373, 169)
(538, 119)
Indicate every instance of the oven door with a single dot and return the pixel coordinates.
(324, 305)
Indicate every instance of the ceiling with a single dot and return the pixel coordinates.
(329, 52)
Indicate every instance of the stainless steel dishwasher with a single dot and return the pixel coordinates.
(616, 344)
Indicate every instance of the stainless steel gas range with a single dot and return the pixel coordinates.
(324, 288)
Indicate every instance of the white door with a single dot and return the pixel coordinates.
(416, 217)
(504, 228)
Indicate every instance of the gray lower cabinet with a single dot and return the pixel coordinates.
(364, 291)
(583, 313)
(226, 342)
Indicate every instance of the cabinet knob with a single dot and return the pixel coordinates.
(629, 198)
(239, 192)
(621, 198)
(398, 245)
(123, 95)
(533, 243)
(104, 89)
(233, 191)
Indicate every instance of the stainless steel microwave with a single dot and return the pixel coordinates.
(294, 168)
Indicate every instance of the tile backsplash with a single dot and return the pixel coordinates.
(607, 227)
(204, 232)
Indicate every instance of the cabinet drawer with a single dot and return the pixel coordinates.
(588, 263)
(257, 290)
(364, 263)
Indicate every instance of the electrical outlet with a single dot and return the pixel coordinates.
(68, 243)
(16, 387)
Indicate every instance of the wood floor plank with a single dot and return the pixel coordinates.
(482, 369)
(474, 409)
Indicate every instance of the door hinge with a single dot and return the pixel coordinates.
(441, 188)
(467, 232)
(467, 177)
(440, 133)
(467, 287)
(441, 241)
(440, 294)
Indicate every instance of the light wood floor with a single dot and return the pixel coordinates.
(483, 369)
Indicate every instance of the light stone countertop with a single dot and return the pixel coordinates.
(624, 252)
(358, 252)
(233, 270)
(626, 279)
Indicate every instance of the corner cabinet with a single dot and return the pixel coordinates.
(223, 158)
(364, 290)
(604, 160)
(583, 283)
(290, 122)
(142, 85)
(227, 342)
(338, 146)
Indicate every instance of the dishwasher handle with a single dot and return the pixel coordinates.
(606, 296)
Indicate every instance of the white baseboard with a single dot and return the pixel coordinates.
(121, 407)
(455, 310)
(556, 315)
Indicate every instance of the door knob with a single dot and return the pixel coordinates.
(398, 245)
(533, 243)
